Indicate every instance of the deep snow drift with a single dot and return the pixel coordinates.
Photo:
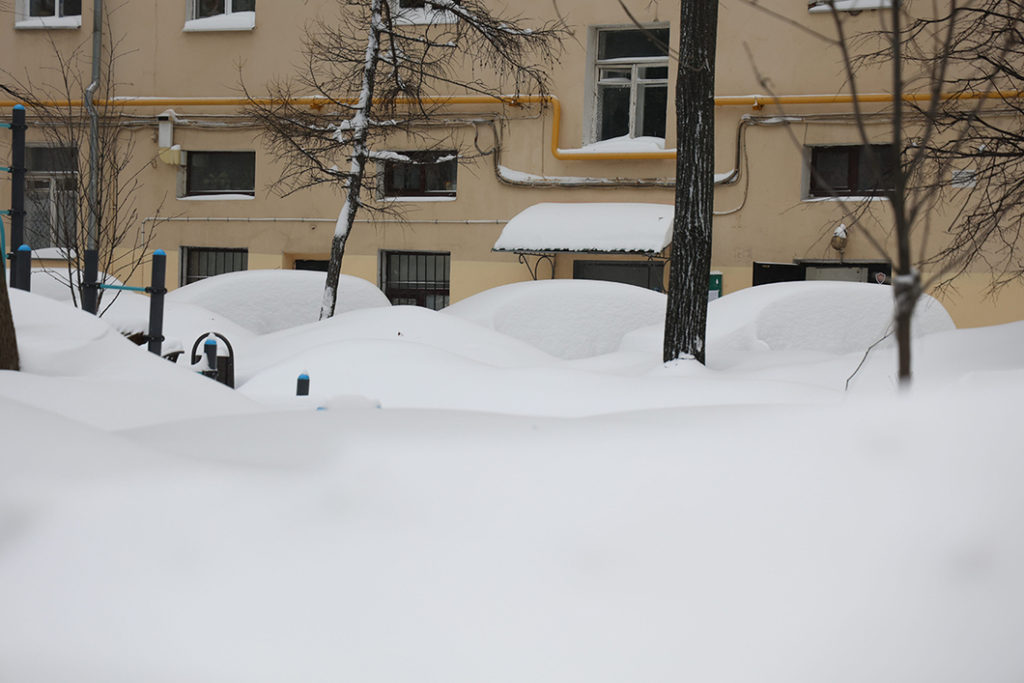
(749, 520)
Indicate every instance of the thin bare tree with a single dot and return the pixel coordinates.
(58, 201)
(373, 72)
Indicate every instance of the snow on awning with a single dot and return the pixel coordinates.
(598, 227)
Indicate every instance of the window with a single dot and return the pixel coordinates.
(631, 83)
(420, 12)
(421, 174)
(49, 14)
(51, 196)
(220, 174)
(416, 278)
(202, 262)
(851, 171)
(649, 274)
(221, 15)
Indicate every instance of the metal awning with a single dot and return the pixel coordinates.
(595, 228)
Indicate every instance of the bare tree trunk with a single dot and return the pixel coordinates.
(8, 339)
(360, 125)
(687, 312)
(906, 284)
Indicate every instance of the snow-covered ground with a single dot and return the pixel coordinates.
(514, 489)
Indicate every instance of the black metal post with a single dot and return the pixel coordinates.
(21, 269)
(302, 385)
(210, 351)
(90, 288)
(18, 128)
(157, 290)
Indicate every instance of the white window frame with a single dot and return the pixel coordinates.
(420, 15)
(635, 81)
(23, 18)
(229, 20)
(55, 198)
(820, 6)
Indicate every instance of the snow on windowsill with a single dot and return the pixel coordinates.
(418, 199)
(514, 176)
(236, 21)
(850, 6)
(49, 22)
(215, 197)
(597, 226)
(851, 198)
(424, 16)
(620, 145)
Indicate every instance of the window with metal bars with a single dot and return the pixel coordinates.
(416, 278)
(54, 8)
(632, 83)
(202, 262)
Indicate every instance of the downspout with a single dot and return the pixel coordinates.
(90, 290)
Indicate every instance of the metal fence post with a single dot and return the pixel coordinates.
(18, 127)
(21, 269)
(156, 301)
(90, 288)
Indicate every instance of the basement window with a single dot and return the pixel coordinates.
(198, 263)
(851, 171)
(48, 14)
(221, 15)
(416, 278)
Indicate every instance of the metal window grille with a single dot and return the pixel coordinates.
(417, 278)
(202, 262)
(632, 83)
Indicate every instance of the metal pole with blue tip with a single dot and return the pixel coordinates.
(210, 351)
(22, 268)
(18, 128)
(302, 386)
(156, 301)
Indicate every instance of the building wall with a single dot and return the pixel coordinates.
(763, 216)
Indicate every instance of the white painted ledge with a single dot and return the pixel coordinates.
(49, 23)
(236, 21)
(850, 6)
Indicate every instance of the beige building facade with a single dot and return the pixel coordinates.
(606, 135)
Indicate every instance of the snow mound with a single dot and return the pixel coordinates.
(830, 317)
(53, 283)
(372, 328)
(566, 318)
(270, 300)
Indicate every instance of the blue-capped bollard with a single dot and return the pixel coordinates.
(302, 385)
(210, 351)
(156, 302)
(22, 270)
